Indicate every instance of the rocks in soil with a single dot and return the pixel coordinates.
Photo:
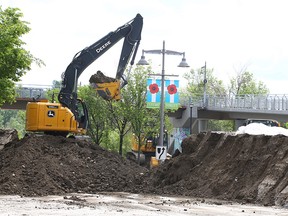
(6, 136)
(99, 77)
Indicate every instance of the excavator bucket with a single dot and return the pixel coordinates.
(107, 87)
(108, 91)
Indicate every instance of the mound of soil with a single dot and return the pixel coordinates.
(42, 165)
(99, 77)
(243, 168)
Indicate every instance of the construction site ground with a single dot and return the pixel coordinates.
(216, 174)
(103, 204)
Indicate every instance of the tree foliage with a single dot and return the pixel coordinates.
(119, 118)
(245, 83)
(134, 98)
(13, 119)
(98, 113)
(15, 61)
(52, 94)
(195, 80)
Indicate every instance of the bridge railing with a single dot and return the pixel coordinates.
(32, 91)
(251, 102)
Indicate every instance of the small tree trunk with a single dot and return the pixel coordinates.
(121, 144)
(139, 147)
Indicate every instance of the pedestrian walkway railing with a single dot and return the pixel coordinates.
(32, 91)
(247, 102)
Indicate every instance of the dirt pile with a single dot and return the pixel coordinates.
(99, 77)
(42, 165)
(243, 168)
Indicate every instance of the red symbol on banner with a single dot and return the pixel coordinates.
(172, 89)
(153, 88)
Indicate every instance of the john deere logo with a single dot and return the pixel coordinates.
(51, 113)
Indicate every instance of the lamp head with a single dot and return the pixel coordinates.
(142, 61)
(183, 63)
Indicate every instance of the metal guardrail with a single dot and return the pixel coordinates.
(32, 91)
(254, 102)
(244, 102)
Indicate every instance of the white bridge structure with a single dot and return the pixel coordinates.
(196, 111)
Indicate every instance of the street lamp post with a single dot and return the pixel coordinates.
(183, 63)
(190, 122)
(205, 82)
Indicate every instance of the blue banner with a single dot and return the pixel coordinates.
(171, 94)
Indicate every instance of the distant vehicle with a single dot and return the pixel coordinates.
(268, 122)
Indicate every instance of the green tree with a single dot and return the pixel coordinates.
(245, 83)
(119, 116)
(134, 97)
(98, 113)
(242, 83)
(18, 123)
(13, 119)
(7, 115)
(15, 61)
(1, 119)
(56, 84)
(52, 94)
(195, 85)
(214, 86)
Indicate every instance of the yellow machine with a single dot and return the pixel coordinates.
(70, 115)
(146, 154)
(55, 119)
(109, 90)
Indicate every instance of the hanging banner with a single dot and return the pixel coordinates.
(171, 94)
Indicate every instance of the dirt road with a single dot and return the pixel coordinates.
(128, 204)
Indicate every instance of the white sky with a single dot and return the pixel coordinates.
(227, 34)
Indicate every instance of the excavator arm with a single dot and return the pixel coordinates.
(131, 32)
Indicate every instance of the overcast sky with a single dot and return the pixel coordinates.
(227, 34)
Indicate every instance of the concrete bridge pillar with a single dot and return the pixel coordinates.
(198, 125)
(203, 124)
(238, 123)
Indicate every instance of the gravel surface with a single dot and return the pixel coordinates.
(128, 204)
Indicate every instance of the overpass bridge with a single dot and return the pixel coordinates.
(195, 111)
(26, 94)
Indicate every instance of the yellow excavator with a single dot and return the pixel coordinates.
(145, 155)
(70, 115)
